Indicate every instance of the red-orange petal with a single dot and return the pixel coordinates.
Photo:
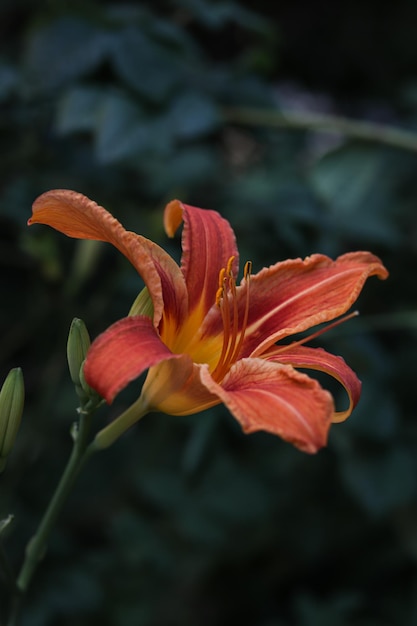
(263, 395)
(294, 295)
(208, 242)
(320, 360)
(77, 216)
(122, 353)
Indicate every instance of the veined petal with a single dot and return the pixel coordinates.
(320, 360)
(208, 242)
(294, 295)
(122, 353)
(263, 395)
(77, 216)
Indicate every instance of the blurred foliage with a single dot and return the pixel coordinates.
(186, 521)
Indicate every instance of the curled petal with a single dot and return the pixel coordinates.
(320, 360)
(263, 395)
(294, 295)
(77, 216)
(122, 353)
(208, 242)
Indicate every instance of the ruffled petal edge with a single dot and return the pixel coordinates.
(263, 395)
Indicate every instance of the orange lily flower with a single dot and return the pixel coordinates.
(204, 338)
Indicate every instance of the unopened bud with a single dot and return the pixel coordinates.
(77, 347)
(12, 399)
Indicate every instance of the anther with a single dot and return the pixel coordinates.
(221, 277)
(219, 296)
(229, 266)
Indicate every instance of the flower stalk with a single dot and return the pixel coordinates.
(36, 548)
(108, 435)
(77, 347)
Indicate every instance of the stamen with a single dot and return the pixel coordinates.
(232, 286)
(232, 338)
(219, 296)
(246, 273)
(317, 333)
(223, 304)
(225, 308)
(221, 278)
(229, 266)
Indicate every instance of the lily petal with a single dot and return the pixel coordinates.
(291, 296)
(263, 395)
(208, 242)
(122, 353)
(174, 387)
(320, 360)
(77, 216)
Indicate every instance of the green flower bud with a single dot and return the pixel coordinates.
(12, 399)
(77, 347)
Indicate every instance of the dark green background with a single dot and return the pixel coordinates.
(186, 521)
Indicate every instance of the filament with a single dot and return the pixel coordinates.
(227, 301)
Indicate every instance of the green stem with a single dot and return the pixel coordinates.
(81, 452)
(365, 131)
(108, 435)
(36, 547)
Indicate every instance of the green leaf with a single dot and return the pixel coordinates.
(79, 110)
(192, 165)
(62, 51)
(192, 115)
(145, 66)
(216, 15)
(358, 185)
(121, 132)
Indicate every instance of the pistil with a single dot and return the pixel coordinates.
(317, 333)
